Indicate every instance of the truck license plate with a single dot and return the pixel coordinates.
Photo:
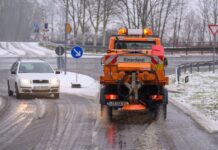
(117, 103)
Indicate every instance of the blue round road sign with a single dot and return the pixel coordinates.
(76, 52)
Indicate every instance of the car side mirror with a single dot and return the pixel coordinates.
(13, 72)
(165, 62)
(57, 72)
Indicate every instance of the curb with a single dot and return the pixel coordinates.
(209, 125)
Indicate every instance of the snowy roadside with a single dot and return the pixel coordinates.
(197, 98)
(89, 86)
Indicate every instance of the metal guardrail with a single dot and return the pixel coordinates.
(171, 50)
(87, 48)
(187, 50)
(190, 66)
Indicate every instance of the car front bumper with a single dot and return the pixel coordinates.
(39, 90)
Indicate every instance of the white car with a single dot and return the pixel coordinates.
(33, 77)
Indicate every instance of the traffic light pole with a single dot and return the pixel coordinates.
(66, 37)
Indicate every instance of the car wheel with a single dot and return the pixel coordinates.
(18, 95)
(56, 95)
(10, 93)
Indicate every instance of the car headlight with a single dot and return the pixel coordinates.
(54, 81)
(25, 82)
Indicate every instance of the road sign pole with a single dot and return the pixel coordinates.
(66, 38)
(76, 52)
(76, 70)
(214, 52)
(214, 30)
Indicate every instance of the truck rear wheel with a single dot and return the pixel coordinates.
(161, 110)
(106, 112)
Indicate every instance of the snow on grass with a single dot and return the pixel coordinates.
(26, 47)
(3, 52)
(200, 92)
(20, 49)
(90, 87)
(16, 51)
(36, 46)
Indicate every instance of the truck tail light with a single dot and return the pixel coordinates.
(111, 97)
(156, 97)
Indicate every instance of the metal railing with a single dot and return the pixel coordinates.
(194, 65)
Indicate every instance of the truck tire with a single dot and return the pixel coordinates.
(102, 98)
(56, 96)
(165, 96)
(165, 103)
(161, 111)
(106, 113)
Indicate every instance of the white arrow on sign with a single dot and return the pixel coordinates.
(213, 29)
(77, 53)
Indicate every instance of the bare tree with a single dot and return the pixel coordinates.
(83, 20)
(109, 10)
(17, 19)
(208, 11)
(95, 14)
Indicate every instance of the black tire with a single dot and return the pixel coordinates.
(159, 113)
(165, 111)
(56, 95)
(10, 93)
(18, 95)
(106, 113)
(165, 103)
(102, 98)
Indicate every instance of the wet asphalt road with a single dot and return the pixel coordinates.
(73, 122)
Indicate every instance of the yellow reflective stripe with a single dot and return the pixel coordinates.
(159, 67)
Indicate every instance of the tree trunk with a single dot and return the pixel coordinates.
(104, 37)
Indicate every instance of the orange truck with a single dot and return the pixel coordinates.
(134, 74)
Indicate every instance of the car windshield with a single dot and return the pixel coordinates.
(35, 67)
(142, 45)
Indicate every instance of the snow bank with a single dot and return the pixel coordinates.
(199, 93)
(90, 87)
